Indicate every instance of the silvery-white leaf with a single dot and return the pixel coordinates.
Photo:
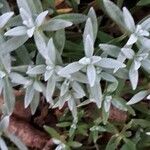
(48, 74)
(3, 145)
(78, 88)
(25, 15)
(38, 86)
(56, 24)
(71, 104)
(96, 94)
(88, 30)
(107, 103)
(4, 123)
(88, 46)
(30, 32)
(71, 68)
(95, 59)
(59, 40)
(18, 78)
(77, 95)
(41, 17)
(109, 49)
(138, 97)
(110, 63)
(4, 6)
(93, 17)
(122, 73)
(108, 77)
(145, 33)
(38, 6)
(136, 64)
(50, 90)
(64, 87)
(9, 98)
(121, 57)
(16, 141)
(146, 65)
(6, 61)
(34, 6)
(22, 68)
(51, 51)
(118, 104)
(112, 87)
(39, 69)
(15, 21)
(12, 44)
(63, 99)
(24, 5)
(75, 18)
(132, 39)
(5, 18)
(145, 42)
(17, 31)
(133, 76)
(35, 102)
(1, 86)
(128, 19)
(85, 61)
(114, 12)
(145, 23)
(28, 95)
(128, 52)
(56, 141)
(91, 74)
(148, 97)
(2, 74)
(40, 43)
(80, 77)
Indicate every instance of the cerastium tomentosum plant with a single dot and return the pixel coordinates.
(38, 63)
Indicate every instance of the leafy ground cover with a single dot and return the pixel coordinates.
(74, 74)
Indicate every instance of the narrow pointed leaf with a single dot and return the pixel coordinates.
(138, 97)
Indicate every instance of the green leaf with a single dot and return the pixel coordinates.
(52, 132)
(74, 144)
(129, 145)
(113, 143)
(143, 2)
(63, 124)
(142, 122)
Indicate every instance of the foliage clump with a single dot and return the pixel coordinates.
(40, 54)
